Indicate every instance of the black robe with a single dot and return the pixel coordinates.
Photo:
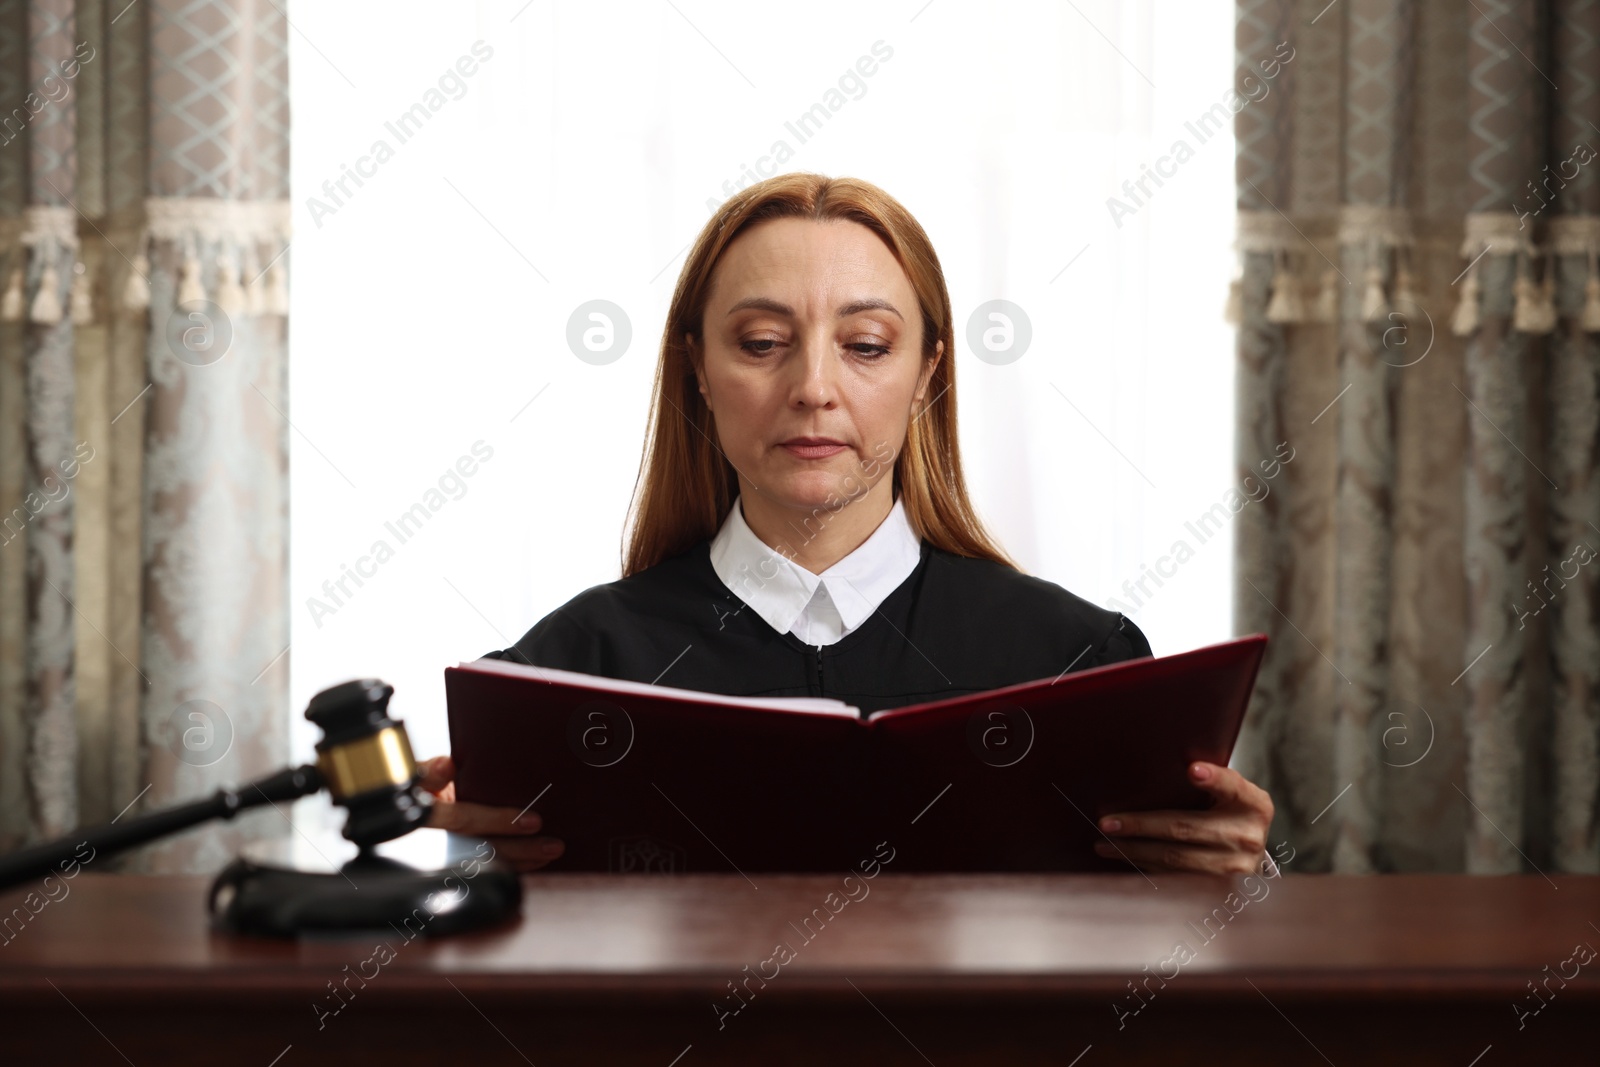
(957, 625)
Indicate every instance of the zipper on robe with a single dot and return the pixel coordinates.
(819, 671)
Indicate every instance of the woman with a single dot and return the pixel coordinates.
(803, 526)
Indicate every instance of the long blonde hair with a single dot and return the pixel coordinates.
(686, 485)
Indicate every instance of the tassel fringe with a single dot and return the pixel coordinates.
(1284, 306)
(277, 290)
(1590, 319)
(1374, 305)
(82, 301)
(230, 294)
(255, 293)
(1405, 296)
(1527, 310)
(45, 279)
(1326, 308)
(46, 307)
(11, 302)
(136, 290)
(1547, 300)
(190, 291)
(1465, 318)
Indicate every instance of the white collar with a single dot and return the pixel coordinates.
(781, 591)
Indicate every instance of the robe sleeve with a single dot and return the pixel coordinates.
(1125, 641)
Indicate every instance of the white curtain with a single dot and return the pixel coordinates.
(466, 176)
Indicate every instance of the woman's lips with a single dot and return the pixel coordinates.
(805, 451)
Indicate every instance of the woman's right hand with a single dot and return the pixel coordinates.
(512, 837)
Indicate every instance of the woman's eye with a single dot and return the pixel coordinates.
(764, 347)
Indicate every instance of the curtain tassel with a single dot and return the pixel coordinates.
(1523, 315)
(1527, 312)
(1547, 300)
(82, 302)
(46, 307)
(1591, 305)
(136, 290)
(255, 292)
(1284, 305)
(1326, 308)
(1373, 304)
(230, 294)
(1405, 296)
(277, 291)
(190, 291)
(11, 303)
(1464, 319)
(1590, 318)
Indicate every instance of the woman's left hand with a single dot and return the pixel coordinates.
(1227, 838)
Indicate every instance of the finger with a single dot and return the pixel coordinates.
(483, 820)
(437, 773)
(528, 853)
(1229, 786)
(1115, 850)
(1165, 856)
(1214, 828)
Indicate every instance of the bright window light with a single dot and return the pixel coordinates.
(466, 176)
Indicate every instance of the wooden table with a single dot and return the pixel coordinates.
(948, 970)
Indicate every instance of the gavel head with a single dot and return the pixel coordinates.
(365, 759)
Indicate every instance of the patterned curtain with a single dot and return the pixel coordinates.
(143, 426)
(1418, 310)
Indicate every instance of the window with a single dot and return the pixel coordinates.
(465, 176)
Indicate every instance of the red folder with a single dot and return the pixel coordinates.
(636, 777)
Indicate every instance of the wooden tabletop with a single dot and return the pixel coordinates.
(1082, 935)
(958, 971)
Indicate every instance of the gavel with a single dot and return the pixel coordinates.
(364, 760)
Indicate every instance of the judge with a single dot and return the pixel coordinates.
(802, 527)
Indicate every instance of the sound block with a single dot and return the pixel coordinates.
(279, 889)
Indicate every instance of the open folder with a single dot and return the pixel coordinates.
(637, 777)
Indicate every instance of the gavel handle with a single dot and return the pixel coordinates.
(52, 857)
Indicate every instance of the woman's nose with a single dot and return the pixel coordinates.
(815, 368)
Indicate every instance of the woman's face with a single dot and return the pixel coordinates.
(812, 330)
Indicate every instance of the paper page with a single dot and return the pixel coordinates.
(813, 705)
